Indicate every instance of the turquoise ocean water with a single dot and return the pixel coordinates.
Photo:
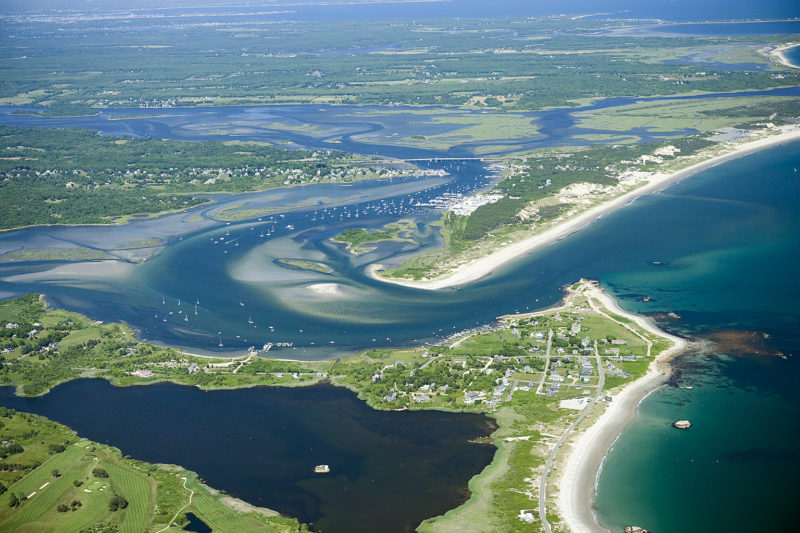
(736, 468)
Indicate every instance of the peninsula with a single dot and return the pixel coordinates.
(537, 374)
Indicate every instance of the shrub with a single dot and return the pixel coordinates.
(117, 502)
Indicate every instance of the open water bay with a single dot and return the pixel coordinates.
(389, 470)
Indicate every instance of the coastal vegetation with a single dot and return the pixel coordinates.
(305, 264)
(51, 480)
(534, 373)
(75, 176)
(356, 238)
(509, 64)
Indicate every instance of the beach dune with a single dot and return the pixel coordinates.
(486, 265)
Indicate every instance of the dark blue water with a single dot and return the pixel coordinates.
(389, 470)
(195, 524)
(793, 55)
(675, 10)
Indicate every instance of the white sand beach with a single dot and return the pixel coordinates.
(484, 266)
(588, 449)
(778, 53)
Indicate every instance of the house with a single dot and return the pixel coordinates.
(193, 368)
(391, 397)
(12, 325)
(422, 398)
(143, 373)
(618, 342)
(470, 397)
(612, 351)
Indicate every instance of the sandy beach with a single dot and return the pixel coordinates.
(778, 53)
(484, 266)
(585, 457)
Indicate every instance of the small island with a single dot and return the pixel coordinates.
(356, 239)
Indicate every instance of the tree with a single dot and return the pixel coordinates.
(56, 473)
(57, 448)
(117, 502)
(99, 472)
(62, 508)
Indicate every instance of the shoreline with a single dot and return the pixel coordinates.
(587, 452)
(484, 266)
(778, 53)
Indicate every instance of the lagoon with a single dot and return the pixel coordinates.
(389, 470)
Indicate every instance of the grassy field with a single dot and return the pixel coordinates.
(665, 116)
(66, 483)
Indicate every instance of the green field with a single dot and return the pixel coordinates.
(63, 483)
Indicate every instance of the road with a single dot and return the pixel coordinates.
(546, 360)
(551, 458)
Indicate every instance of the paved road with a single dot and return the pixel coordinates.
(549, 464)
(546, 361)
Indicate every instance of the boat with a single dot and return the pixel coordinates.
(322, 469)
(682, 424)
